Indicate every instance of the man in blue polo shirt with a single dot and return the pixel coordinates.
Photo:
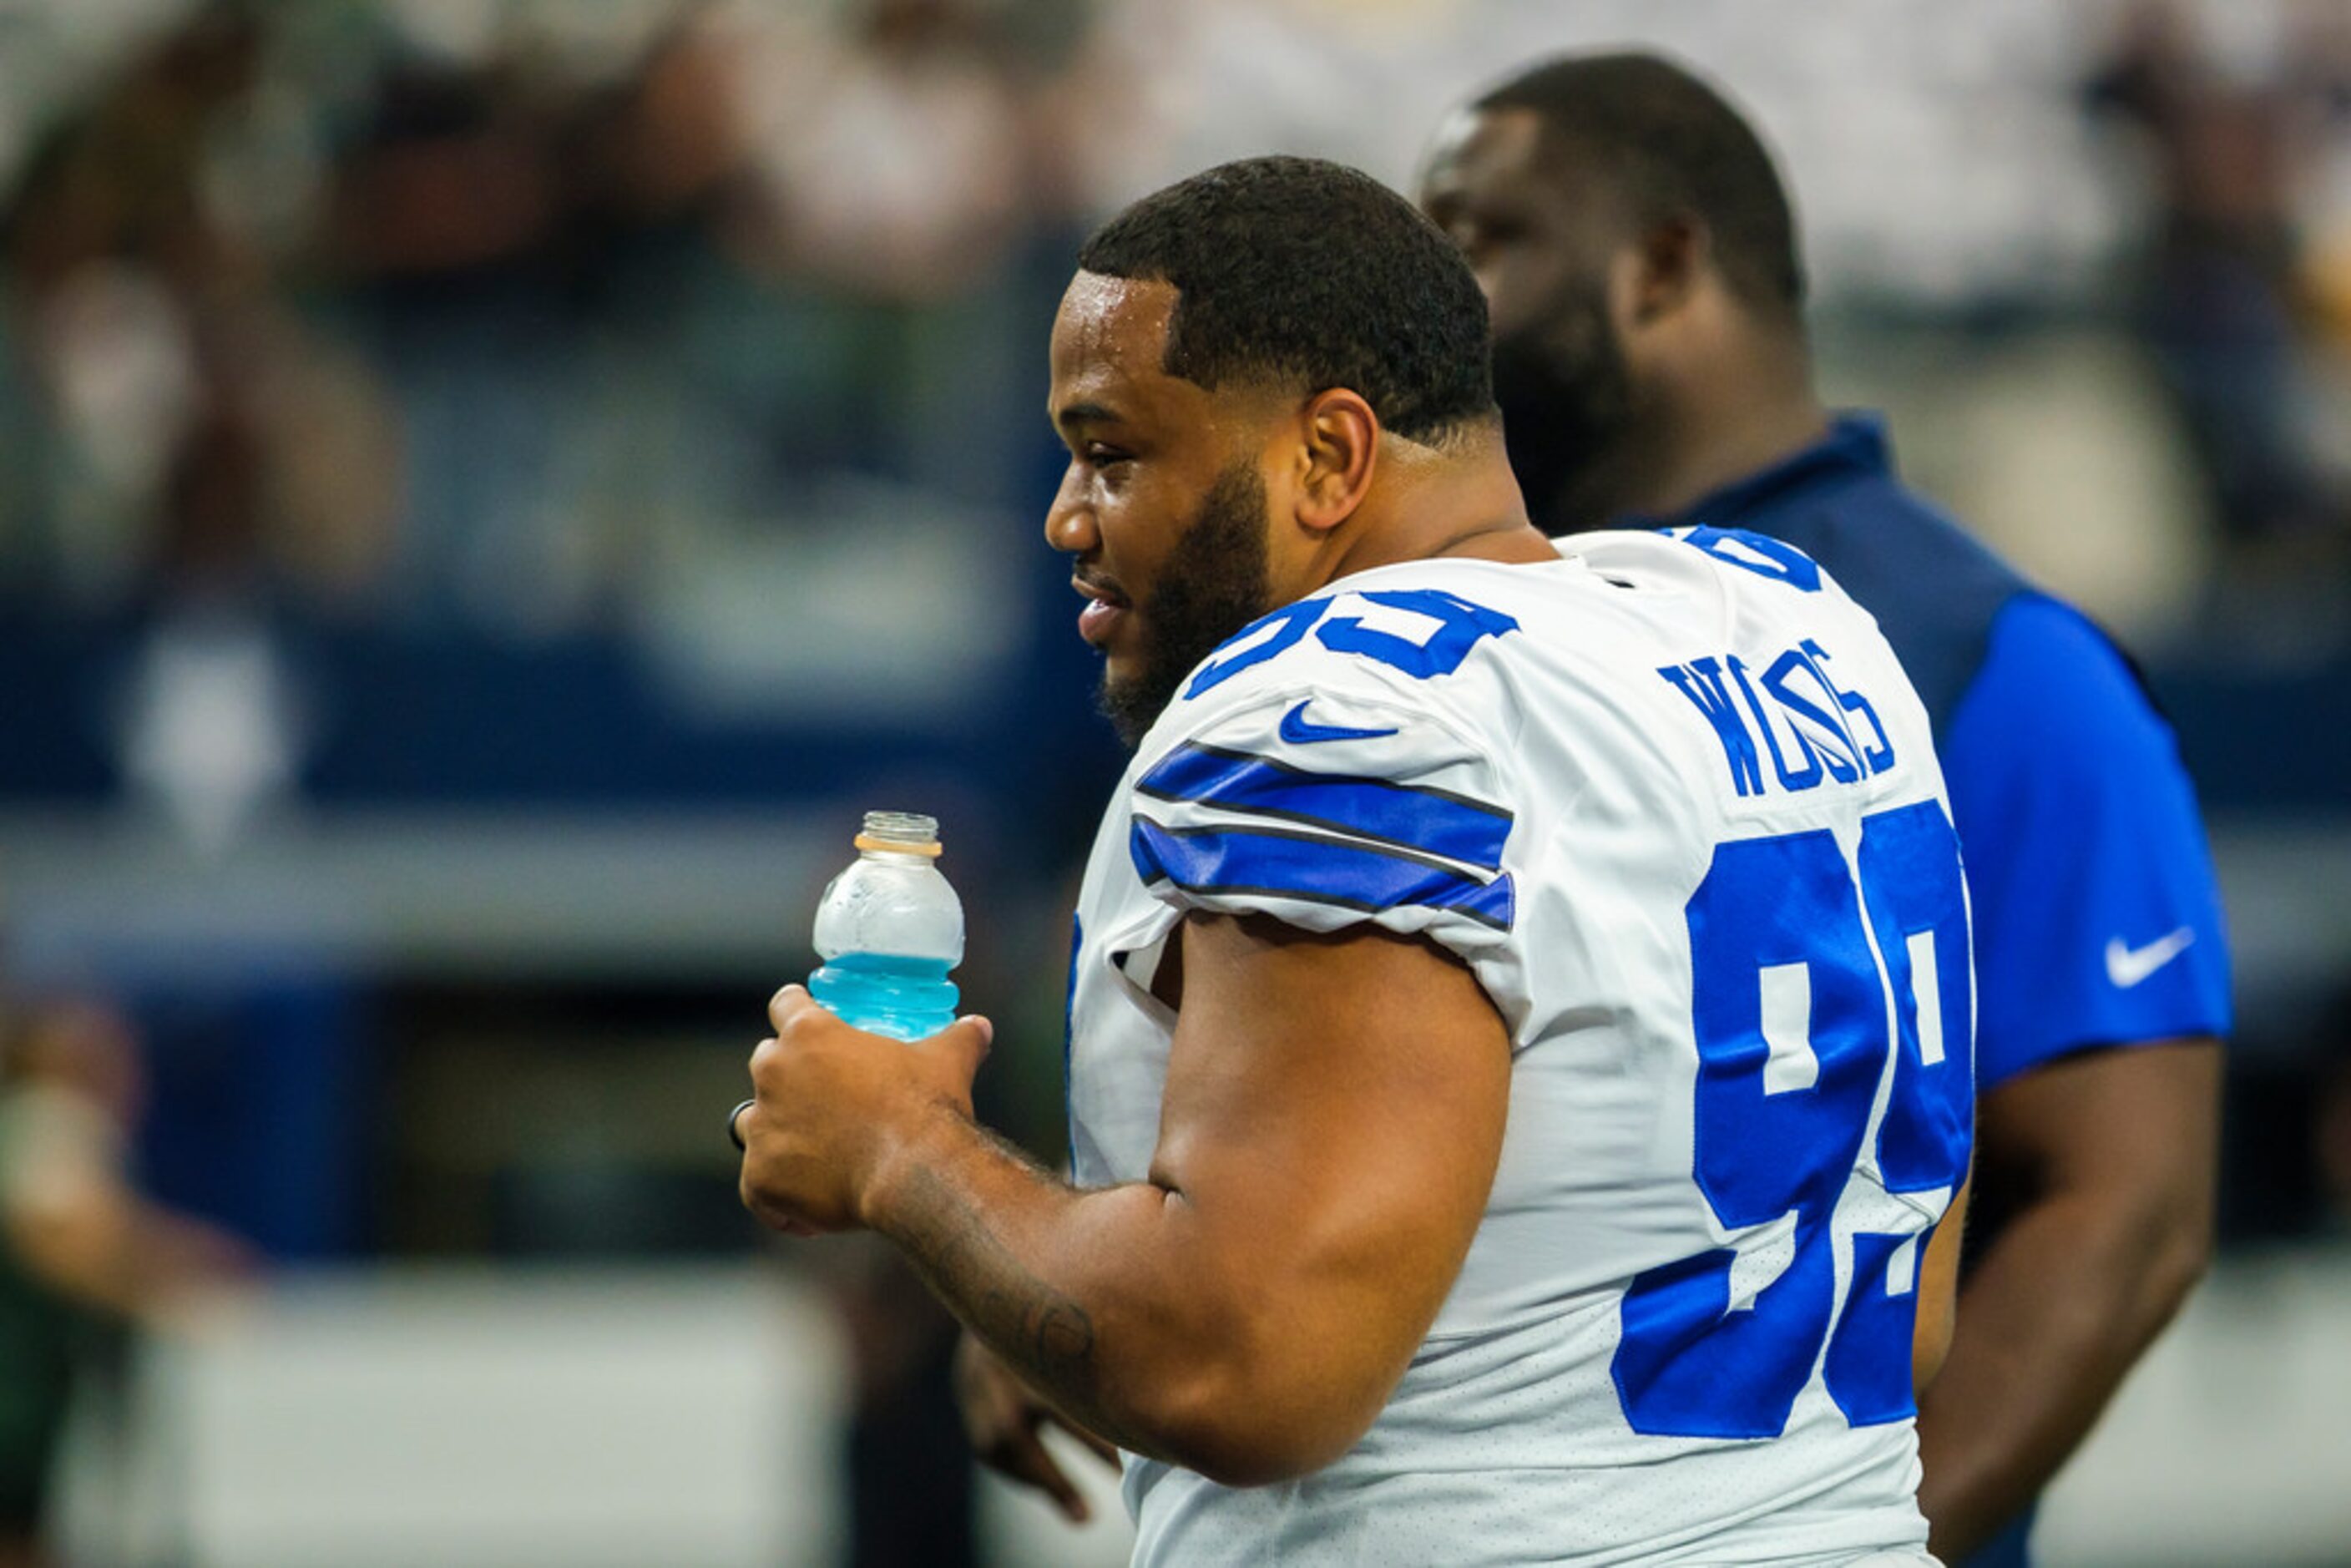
(1637, 253)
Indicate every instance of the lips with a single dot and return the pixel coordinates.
(1105, 607)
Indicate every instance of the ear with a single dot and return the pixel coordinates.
(1340, 447)
(1659, 273)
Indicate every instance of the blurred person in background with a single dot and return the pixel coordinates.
(162, 349)
(116, 262)
(122, 176)
(212, 726)
(1637, 249)
(81, 1251)
(2227, 294)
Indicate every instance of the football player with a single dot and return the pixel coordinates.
(1519, 1054)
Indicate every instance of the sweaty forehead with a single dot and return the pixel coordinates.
(1111, 330)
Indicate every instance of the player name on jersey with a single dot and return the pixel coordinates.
(1801, 713)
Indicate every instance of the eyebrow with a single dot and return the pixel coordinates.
(1087, 413)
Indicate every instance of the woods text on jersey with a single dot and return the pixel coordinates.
(1801, 713)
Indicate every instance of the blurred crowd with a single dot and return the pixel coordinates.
(304, 306)
(358, 310)
(665, 328)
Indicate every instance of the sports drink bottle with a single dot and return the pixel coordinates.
(889, 929)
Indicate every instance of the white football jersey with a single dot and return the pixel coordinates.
(1672, 800)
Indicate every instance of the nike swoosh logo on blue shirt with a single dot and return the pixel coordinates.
(1296, 730)
(2126, 966)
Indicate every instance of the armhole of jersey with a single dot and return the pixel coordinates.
(1135, 954)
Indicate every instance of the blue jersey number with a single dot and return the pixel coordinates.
(1789, 1008)
(1774, 558)
(1459, 627)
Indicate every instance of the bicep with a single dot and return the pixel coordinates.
(1331, 1123)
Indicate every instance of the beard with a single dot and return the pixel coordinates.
(1214, 582)
(1567, 408)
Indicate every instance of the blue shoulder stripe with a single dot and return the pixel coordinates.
(1311, 867)
(1411, 817)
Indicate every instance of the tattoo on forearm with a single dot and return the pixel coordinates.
(1045, 1334)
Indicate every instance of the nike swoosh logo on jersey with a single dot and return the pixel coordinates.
(1296, 730)
(2126, 966)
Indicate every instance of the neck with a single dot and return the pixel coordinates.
(1460, 502)
(1738, 411)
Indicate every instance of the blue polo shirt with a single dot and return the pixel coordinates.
(2097, 919)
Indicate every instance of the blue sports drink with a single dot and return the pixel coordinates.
(889, 929)
(906, 998)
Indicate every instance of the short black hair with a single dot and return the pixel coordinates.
(1670, 144)
(1297, 269)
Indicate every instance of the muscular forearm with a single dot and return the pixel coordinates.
(978, 1222)
(1107, 1301)
(2065, 1299)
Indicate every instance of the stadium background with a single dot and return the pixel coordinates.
(489, 490)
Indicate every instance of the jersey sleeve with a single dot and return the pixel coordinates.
(2097, 917)
(1328, 810)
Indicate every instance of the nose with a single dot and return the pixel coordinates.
(1069, 520)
